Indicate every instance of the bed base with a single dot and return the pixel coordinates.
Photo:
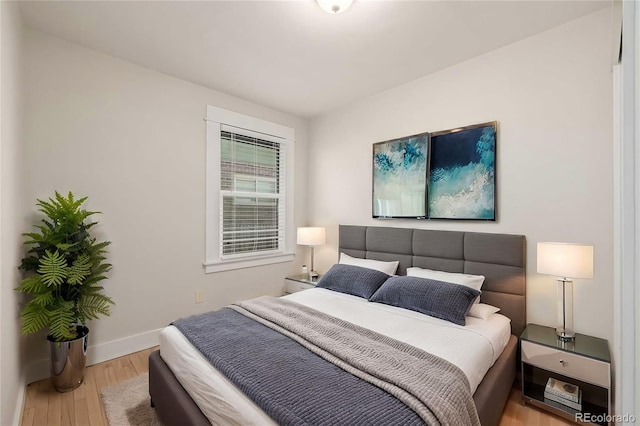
(493, 391)
(176, 408)
(172, 403)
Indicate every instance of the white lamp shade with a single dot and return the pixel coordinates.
(334, 6)
(565, 260)
(311, 236)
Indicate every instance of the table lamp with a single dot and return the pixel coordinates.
(311, 236)
(565, 260)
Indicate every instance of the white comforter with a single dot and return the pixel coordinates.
(473, 348)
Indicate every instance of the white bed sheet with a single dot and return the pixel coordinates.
(473, 348)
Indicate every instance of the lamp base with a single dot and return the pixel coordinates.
(565, 334)
(564, 322)
(313, 275)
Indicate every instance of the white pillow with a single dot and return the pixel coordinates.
(472, 281)
(482, 311)
(388, 268)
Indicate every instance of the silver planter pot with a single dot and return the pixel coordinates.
(68, 360)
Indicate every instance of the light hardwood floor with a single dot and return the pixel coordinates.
(515, 414)
(83, 407)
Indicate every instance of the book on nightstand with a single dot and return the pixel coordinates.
(560, 400)
(563, 393)
(561, 406)
(564, 390)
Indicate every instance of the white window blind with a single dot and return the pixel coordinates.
(252, 194)
(249, 202)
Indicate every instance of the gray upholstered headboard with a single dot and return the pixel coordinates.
(500, 258)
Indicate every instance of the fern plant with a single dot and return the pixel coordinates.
(65, 267)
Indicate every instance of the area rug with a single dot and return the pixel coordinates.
(128, 403)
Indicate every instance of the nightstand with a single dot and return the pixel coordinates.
(584, 362)
(300, 282)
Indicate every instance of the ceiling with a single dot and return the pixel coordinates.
(292, 56)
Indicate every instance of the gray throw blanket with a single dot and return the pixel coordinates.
(318, 370)
(434, 388)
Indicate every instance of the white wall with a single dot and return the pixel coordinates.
(11, 214)
(552, 97)
(133, 140)
(626, 296)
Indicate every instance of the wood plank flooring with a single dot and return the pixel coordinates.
(44, 406)
(83, 407)
(515, 414)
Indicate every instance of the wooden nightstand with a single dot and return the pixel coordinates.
(300, 282)
(584, 362)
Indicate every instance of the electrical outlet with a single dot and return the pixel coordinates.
(199, 296)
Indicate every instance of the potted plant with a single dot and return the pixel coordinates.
(65, 266)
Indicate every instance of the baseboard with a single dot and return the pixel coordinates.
(121, 347)
(40, 369)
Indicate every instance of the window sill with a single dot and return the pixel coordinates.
(228, 265)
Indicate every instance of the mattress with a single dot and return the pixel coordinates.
(473, 348)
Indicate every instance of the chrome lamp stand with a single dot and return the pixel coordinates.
(564, 328)
(312, 273)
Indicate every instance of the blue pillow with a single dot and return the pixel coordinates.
(438, 299)
(354, 280)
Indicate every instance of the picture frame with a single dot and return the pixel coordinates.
(448, 175)
(462, 173)
(400, 177)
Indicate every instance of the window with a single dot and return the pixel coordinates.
(249, 191)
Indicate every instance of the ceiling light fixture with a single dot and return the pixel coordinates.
(334, 6)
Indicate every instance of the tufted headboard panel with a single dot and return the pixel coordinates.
(501, 258)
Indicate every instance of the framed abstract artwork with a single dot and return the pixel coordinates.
(400, 177)
(462, 173)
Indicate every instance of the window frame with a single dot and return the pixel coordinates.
(217, 120)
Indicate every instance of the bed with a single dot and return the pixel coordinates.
(498, 257)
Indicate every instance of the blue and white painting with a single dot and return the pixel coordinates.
(400, 177)
(462, 173)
